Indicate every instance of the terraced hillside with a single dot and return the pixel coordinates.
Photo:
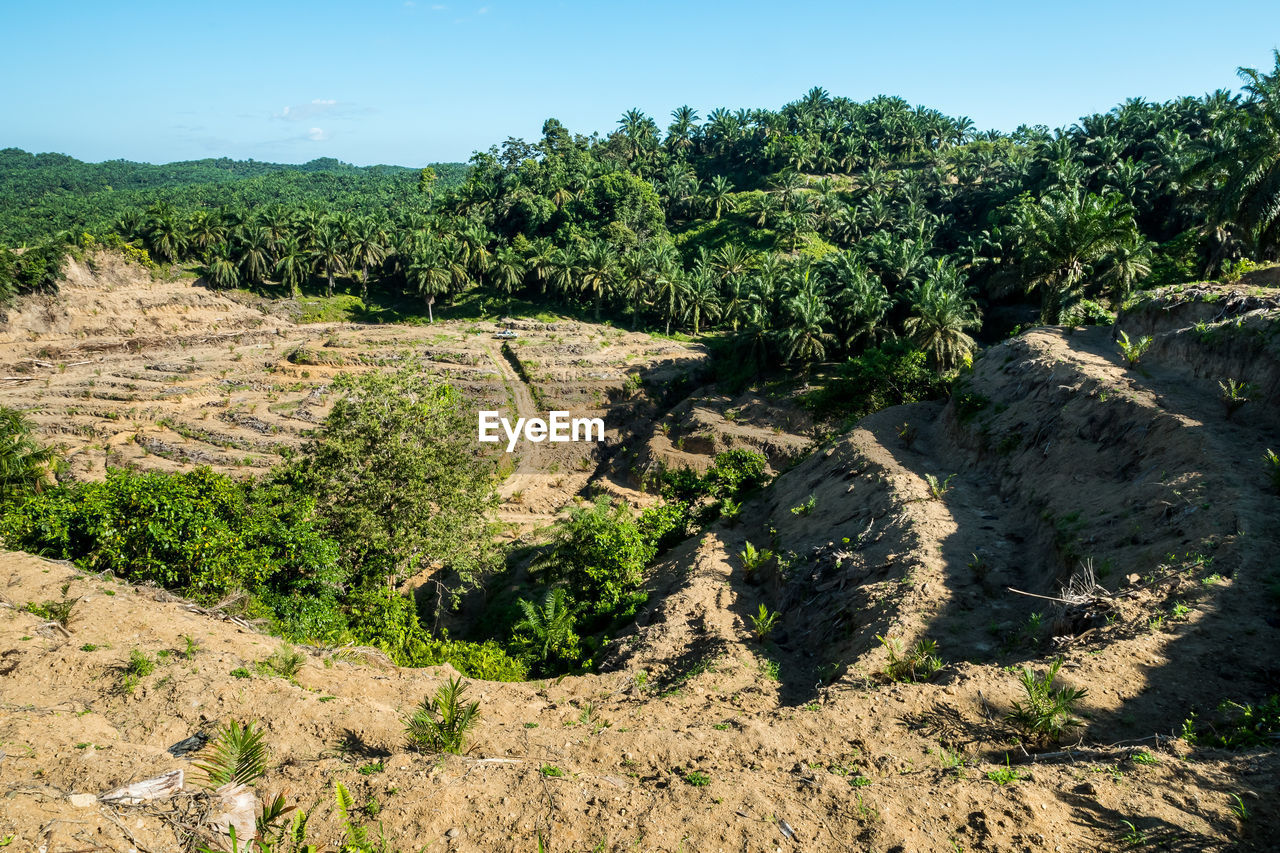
(1062, 504)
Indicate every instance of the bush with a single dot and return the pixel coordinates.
(890, 375)
(201, 533)
(1237, 725)
(601, 554)
(385, 619)
(735, 473)
(664, 525)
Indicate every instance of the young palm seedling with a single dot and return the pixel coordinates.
(1236, 394)
(919, 663)
(752, 557)
(1134, 350)
(441, 723)
(938, 488)
(1046, 713)
(763, 622)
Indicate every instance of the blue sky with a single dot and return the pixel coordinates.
(415, 81)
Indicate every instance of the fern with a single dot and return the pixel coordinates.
(441, 724)
(357, 837)
(237, 756)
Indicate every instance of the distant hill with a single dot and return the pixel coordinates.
(41, 194)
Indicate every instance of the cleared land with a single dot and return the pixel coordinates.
(1064, 457)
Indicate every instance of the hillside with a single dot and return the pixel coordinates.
(42, 194)
(1130, 494)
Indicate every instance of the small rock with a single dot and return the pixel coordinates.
(84, 801)
(452, 833)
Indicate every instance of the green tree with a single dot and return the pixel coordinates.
(1064, 238)
(398, 478)
(291, 265)
(942, 312)
(329, 254)
(24, 464)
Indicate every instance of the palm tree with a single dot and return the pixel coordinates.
(330, 253)
(863, 300)
(549, 625)
(680, 131)
(166, 236)
(429, 273)
(368, 248)
(805, 336)
(640, 132)
(1064, 236)
(719, 196)
(701, 301)
(24, 464)
(942, 311)
(221, 269)
(1124, 267)
(1245, 167)
(255, 253)
(508, 271)
(598, 269)
(291, 265)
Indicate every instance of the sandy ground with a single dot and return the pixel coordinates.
(1062, 457)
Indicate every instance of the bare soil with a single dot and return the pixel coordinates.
(1063, 457)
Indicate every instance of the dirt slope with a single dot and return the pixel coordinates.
(1062, 457)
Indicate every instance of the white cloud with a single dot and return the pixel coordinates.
(317, 107)
(317, 134)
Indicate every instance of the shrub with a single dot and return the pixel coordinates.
(889, 375)
(665, 524)
(199, 532)
(735, 473)
(601, 554)
(1237, 725)
(1046, 713)
(1272, 462)
(442, 723)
